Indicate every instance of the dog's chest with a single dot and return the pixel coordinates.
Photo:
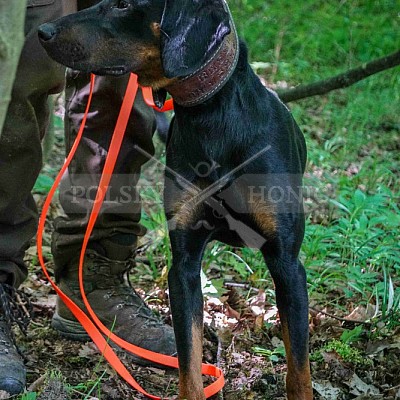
(206, 147)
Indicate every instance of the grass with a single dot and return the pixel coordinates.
(352, 137)
(311, 40)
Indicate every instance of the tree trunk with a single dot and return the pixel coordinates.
(12, 17)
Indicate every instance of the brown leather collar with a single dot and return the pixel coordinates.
(211, 77)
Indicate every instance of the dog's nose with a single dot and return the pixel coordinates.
(46, 32)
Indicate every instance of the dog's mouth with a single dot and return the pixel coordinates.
(113, 71)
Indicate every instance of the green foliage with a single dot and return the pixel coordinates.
(387, 304)
(29, 396)
(43, 184)
(154, 220)
(347, 353)
(352, 335)
(316, 37)
(88, 388)
(303, 42)
(392, 320)
(358, 245)
(274, 355)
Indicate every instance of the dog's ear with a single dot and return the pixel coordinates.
(191, 31)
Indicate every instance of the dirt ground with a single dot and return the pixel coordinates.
(63, 369)
(242, 336)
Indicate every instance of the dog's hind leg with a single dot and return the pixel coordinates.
(292, 301)
(187, 308)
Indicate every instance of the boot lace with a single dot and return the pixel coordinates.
(123, 288)
(15, 308)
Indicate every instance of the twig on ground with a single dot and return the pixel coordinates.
(21, 303)
(240, 285)
(35, 385)
(353, 321)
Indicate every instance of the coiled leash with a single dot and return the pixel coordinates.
(97, 331)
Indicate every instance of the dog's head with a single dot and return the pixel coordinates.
(157, 39)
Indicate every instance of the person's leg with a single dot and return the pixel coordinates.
(111, 250)
(113, 241)
(12, 18)
(20, 163)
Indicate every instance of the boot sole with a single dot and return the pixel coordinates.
(73, 330)
(69, 329)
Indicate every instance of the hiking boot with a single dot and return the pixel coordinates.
(12, 369)
(115, 303)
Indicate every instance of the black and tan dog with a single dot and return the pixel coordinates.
(235, 156)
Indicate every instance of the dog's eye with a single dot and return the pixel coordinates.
(122, 4)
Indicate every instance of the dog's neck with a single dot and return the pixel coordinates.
(209, 79)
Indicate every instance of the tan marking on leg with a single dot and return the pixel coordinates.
(187, 209)
(263, 214)
(298, 378)
(185, 212)
(191, 382)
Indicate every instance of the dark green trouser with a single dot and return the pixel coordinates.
(21, 155)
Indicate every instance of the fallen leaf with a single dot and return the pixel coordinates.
(359, 387)
(362, 313)
(326, 390)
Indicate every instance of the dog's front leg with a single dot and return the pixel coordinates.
(187, 309)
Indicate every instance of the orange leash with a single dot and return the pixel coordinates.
(148, 99)
(93, 326)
